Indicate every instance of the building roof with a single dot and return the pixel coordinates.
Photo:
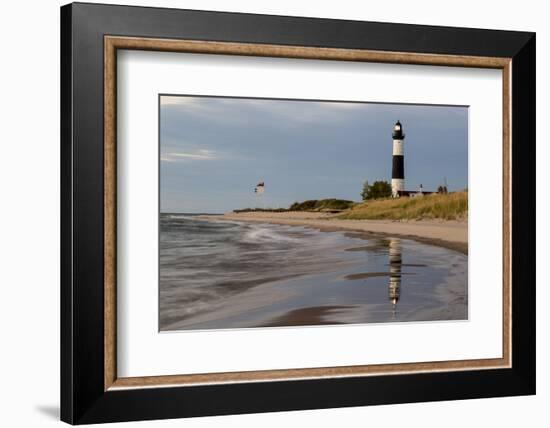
(411, 192)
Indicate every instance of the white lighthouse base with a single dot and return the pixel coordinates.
(397, 184)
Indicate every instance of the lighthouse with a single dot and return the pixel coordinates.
(398, 165)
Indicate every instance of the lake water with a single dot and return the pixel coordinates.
(224, 274)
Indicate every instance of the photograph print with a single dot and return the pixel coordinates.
(285, 213)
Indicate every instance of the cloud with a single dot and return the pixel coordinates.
(196, 155)
(167, 100)
(238, 112)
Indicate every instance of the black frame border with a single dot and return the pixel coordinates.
(83, 399)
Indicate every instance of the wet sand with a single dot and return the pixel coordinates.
(305, 316)
(448, 234)
(365, 275)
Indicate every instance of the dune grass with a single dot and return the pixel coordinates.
(322, 205)
(311, 205)
(450, 206)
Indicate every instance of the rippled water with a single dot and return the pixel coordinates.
(222, 274)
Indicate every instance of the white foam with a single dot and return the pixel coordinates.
(258, 234)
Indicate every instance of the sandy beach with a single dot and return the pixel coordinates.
(448, 234)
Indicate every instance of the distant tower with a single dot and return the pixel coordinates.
(398, 167)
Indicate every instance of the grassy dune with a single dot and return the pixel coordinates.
(451, 206)
(322, 205)
(312, 205)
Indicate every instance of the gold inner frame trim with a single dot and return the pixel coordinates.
(113, 43)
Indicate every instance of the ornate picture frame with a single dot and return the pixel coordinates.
(92, 391)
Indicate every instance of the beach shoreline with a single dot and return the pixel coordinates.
(452, 235)
(304, 269)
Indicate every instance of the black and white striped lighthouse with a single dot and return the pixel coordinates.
(398, 166)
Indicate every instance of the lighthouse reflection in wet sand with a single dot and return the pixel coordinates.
(394, 290)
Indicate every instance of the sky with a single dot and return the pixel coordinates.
(214, 150)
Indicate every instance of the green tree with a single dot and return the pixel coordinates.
(376, 190)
